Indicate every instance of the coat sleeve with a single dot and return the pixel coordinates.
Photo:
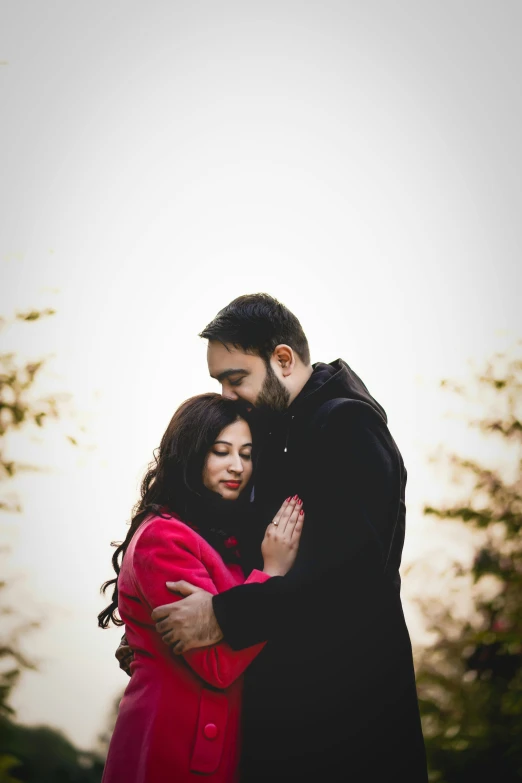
(159, 558)
(347, 532)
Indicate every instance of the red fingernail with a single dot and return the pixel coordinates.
(295, 497)
(301, 513)
(288, 499)
(299, 502)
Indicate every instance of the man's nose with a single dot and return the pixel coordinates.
(228, 393)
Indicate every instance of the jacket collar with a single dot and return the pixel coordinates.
(329, 381)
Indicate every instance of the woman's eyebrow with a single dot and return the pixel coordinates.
(227, 443)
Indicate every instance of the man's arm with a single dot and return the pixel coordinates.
(155, 558)
(347, 536)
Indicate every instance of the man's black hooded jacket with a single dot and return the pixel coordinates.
(337, 670)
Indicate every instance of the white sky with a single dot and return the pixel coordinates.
(360, 161)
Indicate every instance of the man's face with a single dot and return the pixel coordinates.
(244, 376)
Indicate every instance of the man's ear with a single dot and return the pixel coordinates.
(284, 358)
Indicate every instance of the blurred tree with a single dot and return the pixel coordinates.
(18, 407)
(470, 679)
(28, 754)
(18, 404)
(105, 737)
(43, 755)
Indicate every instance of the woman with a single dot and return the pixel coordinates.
(180, 715)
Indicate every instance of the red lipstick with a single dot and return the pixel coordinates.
(232, 484)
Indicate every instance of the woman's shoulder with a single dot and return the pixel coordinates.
(161, 526)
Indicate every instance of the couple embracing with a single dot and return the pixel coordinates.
(259, 579)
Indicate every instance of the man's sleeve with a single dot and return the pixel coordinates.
(158, 558)
(346, 534)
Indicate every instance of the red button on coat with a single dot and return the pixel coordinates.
(210, 731)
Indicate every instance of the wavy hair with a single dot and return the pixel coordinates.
(175, 473)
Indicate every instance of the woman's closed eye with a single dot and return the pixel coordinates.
(244, 455)
(225, 454)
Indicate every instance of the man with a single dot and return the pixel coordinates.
(332, 696)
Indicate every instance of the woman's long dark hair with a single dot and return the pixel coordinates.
(175, 474)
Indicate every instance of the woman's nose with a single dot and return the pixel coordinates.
(236, 465)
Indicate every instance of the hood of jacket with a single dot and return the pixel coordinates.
(331, 381)
(335, 380)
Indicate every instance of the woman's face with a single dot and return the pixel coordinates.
(228, 466)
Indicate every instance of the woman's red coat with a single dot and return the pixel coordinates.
(179, 719)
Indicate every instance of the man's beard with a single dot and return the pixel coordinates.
(273, 395)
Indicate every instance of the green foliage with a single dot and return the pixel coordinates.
(34, 315)
(13, 660)
(8, 766)
(18, 407)
(43, 755)
(18, 404)
(470, 679)
(104, 737)
(29, 754)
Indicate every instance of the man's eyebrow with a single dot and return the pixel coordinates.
(227, 373)
(227, 443)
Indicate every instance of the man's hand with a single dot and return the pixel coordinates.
(124, 655)
(188, 623)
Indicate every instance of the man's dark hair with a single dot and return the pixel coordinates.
(256, 323)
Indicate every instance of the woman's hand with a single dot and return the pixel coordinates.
(281, 541)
